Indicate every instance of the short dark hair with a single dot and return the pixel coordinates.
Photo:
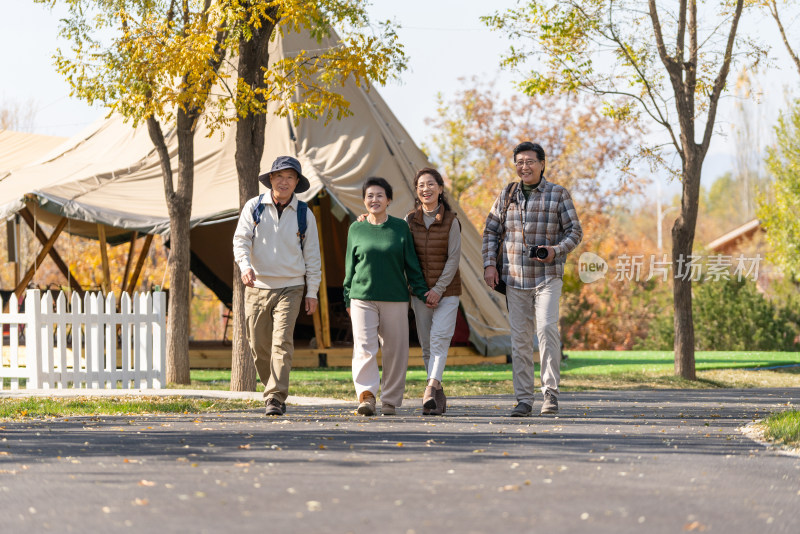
(377, 181)
(526, 146)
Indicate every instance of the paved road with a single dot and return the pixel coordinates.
(627, 461)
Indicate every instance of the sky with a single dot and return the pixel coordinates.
(444, 40)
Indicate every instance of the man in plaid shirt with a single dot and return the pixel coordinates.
(540, 213)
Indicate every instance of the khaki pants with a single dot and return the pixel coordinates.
(381, 325)
(271, 315)
(529, 311)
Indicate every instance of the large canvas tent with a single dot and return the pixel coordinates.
(109, 177)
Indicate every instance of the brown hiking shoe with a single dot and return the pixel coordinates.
(274, 407)
(388, 409)
(441, 400)
(428, 400)
(366, 403)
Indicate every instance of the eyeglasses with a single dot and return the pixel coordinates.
(526, 163)
(420, 187)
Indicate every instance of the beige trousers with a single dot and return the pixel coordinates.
(535, 311)
(271, 315)
(381, 325)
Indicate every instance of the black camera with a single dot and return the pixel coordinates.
(536, 251)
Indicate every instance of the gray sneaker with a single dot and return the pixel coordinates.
(550, 406)
(522, 409)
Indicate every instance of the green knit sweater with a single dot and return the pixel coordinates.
(381, 263)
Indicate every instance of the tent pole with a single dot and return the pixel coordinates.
(134, 237)
(45, 250)
(325, 341)
(101, 234)
(140, 262)
(56, 257)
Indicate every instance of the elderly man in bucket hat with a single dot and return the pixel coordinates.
(277, 250)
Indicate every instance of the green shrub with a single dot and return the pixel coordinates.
(731, 315)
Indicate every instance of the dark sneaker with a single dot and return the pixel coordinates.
(550, 406)
(274, 407)
(366, 405)
(523, 409)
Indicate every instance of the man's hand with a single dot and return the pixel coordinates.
(433, 298)
(551, 255)
(249, 278)
(311, 305)
(490, 276)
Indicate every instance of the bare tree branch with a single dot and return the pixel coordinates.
(773, 9)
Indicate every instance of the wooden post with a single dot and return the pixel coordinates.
(37, 230)
(140, 262)
(323, 310)
(45, 250)
(134, 237)
(101, 235)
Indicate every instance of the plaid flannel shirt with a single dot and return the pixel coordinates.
(548, 217)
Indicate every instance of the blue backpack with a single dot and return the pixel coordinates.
(302, 220)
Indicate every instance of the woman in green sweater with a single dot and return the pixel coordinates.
(380, 265)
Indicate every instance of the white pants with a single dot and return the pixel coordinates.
(435, 327)
(529, 311)
(381, 325)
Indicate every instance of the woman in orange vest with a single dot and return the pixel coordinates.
(437, 240)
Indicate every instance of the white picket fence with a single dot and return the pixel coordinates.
(88, 345)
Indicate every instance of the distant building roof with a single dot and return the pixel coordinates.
(732, 238)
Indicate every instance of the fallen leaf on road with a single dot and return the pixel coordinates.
(509, 487)
(146, 483)
(479, 450)
(695, 526)
(140, 502)
(247, 446)
(314, 506)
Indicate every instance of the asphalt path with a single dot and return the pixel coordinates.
(622, 461)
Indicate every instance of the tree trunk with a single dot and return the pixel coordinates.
(253, 55)
(179, 204)
(682, 245)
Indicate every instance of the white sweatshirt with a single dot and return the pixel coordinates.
(272, 249)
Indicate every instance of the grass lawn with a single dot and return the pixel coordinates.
(783, 428)
(61, 407)
(583, 370)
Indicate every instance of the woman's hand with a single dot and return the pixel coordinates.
(432, 298)
(362, 217)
